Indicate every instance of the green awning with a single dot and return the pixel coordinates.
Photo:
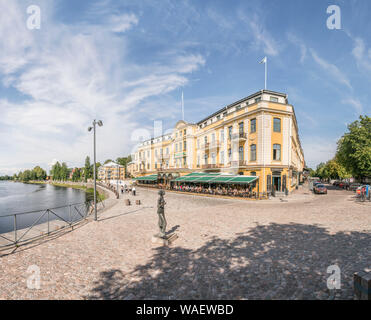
(218, 178)
(205, 179)
(152, 177)
(222, 179)
(243, 180)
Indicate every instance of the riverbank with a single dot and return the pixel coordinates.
(101, 196)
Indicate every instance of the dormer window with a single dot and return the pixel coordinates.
(274, 99)
(258, 99)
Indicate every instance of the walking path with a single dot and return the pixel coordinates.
(227, 249)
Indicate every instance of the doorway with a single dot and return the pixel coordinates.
(276, 183)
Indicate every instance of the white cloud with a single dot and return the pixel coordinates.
(362, 55)
(16, 41)
(317, 150)
(332, 70)
(355, 104)
(298, 42)
(66, 80)
(262, 37)
(124, 22)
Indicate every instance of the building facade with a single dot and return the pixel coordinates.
(255, 136)
(111, 171)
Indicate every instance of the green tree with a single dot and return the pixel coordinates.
(124, 162)
(354, 148)
(88, 169)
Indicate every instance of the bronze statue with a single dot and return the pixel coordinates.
(161, 214)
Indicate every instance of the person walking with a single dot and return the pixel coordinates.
(134, 191)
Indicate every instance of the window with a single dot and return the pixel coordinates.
(277, 152)
(253, 152)
(213, 157)
(185, 145)
(274, 99)
(230, 154)
(253, 174)
(185, 161)
(205, 156)
(213, 137)
(185, 132)
(240, 127)
(240, 153)
(218, 117)
(277, 125)
(258, 99)
(205, 139)
(176, 147)
(167, 150)
(180, 146)
(238, 107)
(222, 135)
(224, 114)
(198, 143)
(253, 125)
(230, 132)
(221, 157)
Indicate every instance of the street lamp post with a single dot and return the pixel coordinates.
(100, 123)
(117, 181)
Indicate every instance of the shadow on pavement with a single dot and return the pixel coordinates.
(276, 261)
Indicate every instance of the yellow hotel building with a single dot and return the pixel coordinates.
(255, 136)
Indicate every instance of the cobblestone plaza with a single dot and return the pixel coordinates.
(227, 249)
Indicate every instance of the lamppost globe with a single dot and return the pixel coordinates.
(90, 128)
(100, 123)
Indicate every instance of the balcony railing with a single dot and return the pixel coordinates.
(239, 163)
(211, 145)
(238, 136)
(211, 166)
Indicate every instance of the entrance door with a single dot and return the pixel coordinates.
(277, 183)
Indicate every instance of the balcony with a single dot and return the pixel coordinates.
(241, 136)
(210, 166)
(211, 145)
(239, 163)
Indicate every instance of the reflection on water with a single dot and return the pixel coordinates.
(20, 197)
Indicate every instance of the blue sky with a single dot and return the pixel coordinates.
(127, 62)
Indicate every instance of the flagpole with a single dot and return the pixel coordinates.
(182, 106)
(266, 66)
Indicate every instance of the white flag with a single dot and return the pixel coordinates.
(264, 60)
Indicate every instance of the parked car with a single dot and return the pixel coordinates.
(341, 185)
(313, 184)
(320, 189)
(336, 183)
(354, 186)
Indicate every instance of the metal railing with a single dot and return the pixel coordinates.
(35, 224)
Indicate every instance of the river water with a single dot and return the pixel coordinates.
(21, 197)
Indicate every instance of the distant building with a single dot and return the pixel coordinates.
(255, 136)
(111, 171)
(131, 168)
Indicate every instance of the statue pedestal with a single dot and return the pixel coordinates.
(164, 240)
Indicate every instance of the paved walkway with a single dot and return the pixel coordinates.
(227, 249)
